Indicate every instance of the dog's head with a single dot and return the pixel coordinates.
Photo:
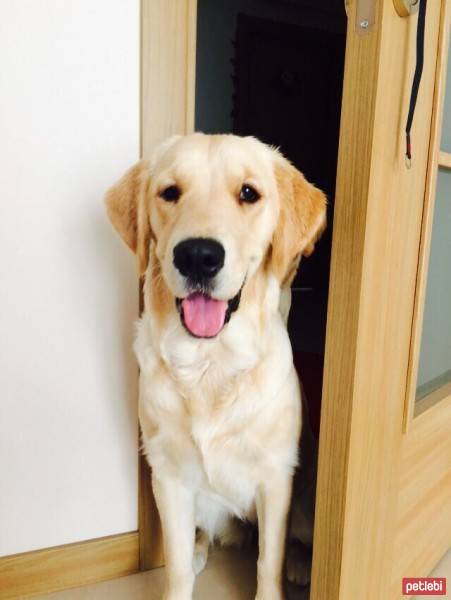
(213, 209)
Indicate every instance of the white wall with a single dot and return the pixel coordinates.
(69, 126)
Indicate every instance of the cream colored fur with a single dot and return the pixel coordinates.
(220, 417)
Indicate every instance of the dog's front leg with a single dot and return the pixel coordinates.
(273, 502)
(176, 507)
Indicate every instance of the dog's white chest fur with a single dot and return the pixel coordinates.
(210, 410)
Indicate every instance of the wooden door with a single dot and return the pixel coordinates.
(384, 487)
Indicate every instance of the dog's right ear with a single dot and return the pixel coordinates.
(126, 204)
(302, 220)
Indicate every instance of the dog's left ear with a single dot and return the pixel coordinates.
(126, 204)
(302, 219)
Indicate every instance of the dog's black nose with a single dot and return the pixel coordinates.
(199, 258)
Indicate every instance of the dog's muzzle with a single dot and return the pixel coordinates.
(199, 260)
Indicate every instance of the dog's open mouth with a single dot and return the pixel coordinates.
(204, 316)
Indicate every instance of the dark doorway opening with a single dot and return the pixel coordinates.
(274, 69)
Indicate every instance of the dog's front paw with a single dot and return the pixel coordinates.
(274, 595)
(269, 592)
(178, 592)
(178, 595)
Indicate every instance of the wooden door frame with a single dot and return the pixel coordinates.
(376, 238)
(168, 82)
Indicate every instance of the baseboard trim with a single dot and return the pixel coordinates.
(53, 569)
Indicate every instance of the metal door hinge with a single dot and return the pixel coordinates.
(365, 15)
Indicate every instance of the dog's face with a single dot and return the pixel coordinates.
(215, 209)
(213, 204)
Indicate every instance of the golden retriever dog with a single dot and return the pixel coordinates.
(218, 224)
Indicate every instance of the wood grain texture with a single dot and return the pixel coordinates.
(426, 455)
(428, 214)
(44, 571)
(423, 529)
(356, 133)
(168, 49)
(168, 81)
(377, 230)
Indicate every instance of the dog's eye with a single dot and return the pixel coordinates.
(171, 194)
(249, 194)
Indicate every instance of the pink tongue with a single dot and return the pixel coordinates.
(203, 316)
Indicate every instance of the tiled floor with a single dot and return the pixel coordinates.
(228, 576)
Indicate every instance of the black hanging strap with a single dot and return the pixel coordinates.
(416, 77)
